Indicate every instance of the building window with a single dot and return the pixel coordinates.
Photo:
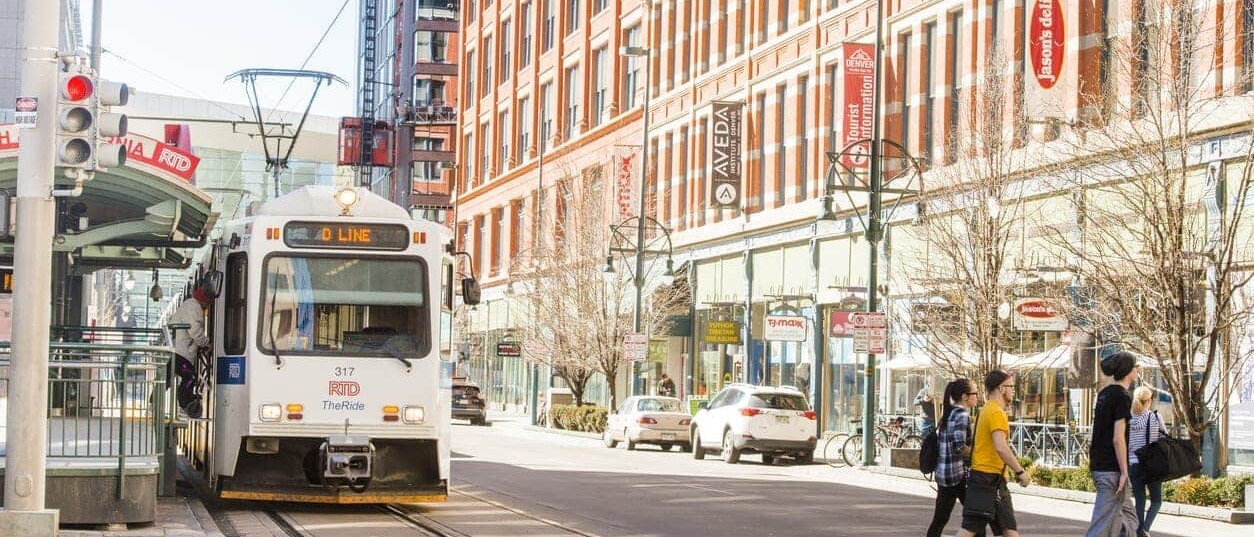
(549, 20)
(784, 13)
(683, 211)
(427, 171)
(599, 6)
(507, 42)
(995, 24)
(487, 65)
(601, 84)
(498, 233)
(574, 95)
(1247, 44)
(485, 152)
(519, 224)
(907, 101)
(743, 14)
(722, 34)
(764, 8)
(833, 109)
(469, 96)
(676, 60)
(761, 113)
(547, 103)
(431, 47)
(955, 85)
(781, 149)
(502, 150)
(803, 146)
(428, 92)
(925, 77)
(469, 147)
(524, 125)
(631, 79)
(471, 10)
(524, 56)
(572, 15)
(481, 235)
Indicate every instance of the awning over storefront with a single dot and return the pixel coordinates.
(1059, 357)
(146, 214)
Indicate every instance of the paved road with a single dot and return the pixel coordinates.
(580, 484)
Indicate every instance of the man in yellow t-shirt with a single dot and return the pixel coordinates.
(988, 500)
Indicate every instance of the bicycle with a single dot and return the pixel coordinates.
(832, 448)
(895, 435)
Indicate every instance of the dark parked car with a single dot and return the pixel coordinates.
(468, 402)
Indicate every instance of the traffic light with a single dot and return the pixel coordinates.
(110, 124)
(75, 118)
(85, 124)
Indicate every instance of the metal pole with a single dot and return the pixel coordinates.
(97, 6)
(28, 381)
(644, 173)
(873, 238)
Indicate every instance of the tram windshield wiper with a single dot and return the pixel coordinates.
(396, 347)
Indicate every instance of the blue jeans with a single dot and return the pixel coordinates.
(1145, 518)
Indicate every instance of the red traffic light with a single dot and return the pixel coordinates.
(77, 87)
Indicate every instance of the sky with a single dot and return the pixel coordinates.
(188, 48)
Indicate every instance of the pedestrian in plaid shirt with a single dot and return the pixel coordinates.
(954, 441)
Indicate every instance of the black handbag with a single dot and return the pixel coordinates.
(1167, 458)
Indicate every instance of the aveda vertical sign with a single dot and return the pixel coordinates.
(1049, 81)
(859, 101)
(725, 128)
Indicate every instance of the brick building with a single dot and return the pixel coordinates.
(549, 70)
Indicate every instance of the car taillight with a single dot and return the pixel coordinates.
(750, 412)
(645, 420)
(809, 414)
(685, 421)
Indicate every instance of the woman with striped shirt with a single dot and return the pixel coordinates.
(1144, 428)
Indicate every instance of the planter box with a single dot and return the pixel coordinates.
(906, 458)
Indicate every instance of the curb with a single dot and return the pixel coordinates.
(563, 432)
(1169, 508)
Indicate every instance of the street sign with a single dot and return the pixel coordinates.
(870, 340)
(722, 332)
(508, 350)
(635, 346)
(843, 323)
(27, 109)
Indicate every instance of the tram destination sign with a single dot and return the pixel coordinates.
(346, 235)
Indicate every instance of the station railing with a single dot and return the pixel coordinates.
(105, 401)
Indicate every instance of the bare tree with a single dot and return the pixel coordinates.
(578, 314)
(960, 273)
(1163, 255)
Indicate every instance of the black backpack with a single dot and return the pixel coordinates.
(929, 453)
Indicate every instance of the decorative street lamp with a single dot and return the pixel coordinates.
(621, 243)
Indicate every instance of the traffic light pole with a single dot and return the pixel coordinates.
(24, 483)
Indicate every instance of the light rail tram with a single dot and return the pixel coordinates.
(331, 364)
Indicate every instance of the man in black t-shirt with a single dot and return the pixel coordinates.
(1113, 513)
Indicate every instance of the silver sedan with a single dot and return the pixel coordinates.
(649, 420)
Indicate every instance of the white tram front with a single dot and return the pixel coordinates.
(330, 337)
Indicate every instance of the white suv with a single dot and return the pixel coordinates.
(772, 421)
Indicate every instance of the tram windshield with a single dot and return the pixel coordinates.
(335, 306)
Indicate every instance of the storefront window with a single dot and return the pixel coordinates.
(715, 363)
(845, 385)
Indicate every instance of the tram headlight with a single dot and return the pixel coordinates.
(414, 414)
(346, 198)
(271, 412)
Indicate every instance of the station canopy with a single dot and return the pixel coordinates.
(143, 215)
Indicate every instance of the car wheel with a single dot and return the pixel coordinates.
(608, 437)
(631, 446)
(768, 459)
(685, 447)
(731, 455)
(805, 457)
(666, 447)
(698, 452)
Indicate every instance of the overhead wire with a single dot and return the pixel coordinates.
(309, 57)
(173, 83)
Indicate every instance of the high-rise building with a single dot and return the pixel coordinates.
(407, 83)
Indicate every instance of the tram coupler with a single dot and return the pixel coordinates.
(347, 461)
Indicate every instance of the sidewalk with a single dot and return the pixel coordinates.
(177, 516)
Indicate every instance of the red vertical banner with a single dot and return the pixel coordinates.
(859, 102)
(626, 164)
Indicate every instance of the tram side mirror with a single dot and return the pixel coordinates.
(470, 291)
(213, 284)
